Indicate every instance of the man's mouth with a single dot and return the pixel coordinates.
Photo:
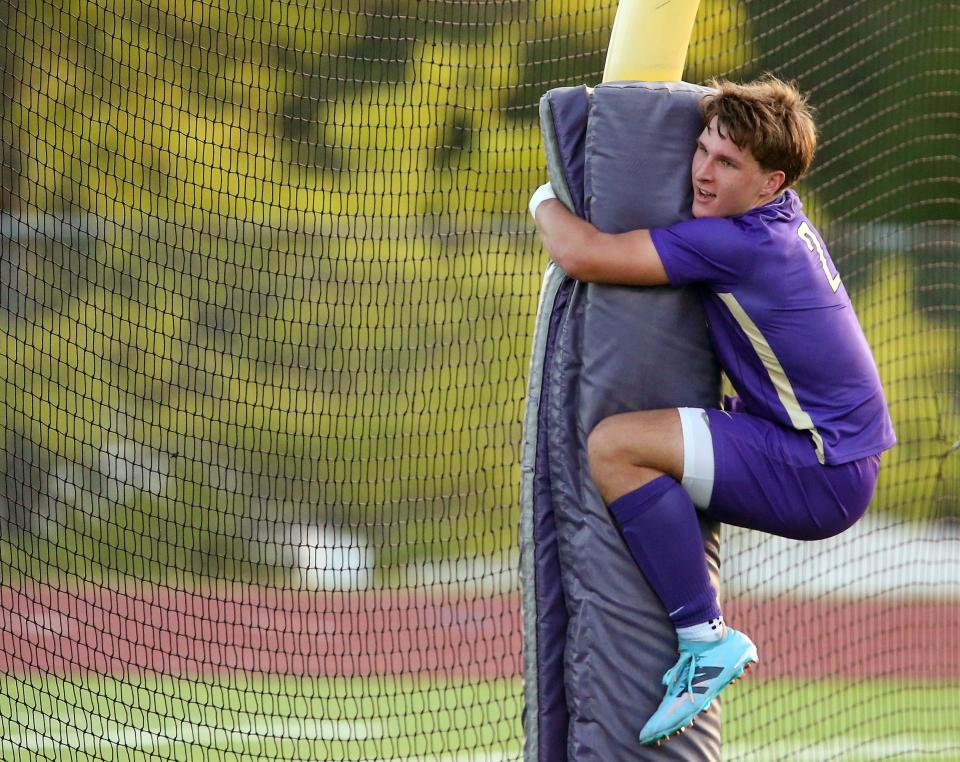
(706, 195)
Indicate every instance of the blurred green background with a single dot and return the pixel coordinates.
(266, 265)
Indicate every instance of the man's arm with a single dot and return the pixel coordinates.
(587, 254)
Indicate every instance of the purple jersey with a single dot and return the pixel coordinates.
(783, 326)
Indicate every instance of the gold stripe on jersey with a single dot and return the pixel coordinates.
(800, 419)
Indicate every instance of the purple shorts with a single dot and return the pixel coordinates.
(767, 477)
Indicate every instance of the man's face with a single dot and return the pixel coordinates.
(727, 180)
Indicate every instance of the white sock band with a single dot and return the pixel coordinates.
(697, 455)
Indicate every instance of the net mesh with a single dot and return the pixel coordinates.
(267, 290)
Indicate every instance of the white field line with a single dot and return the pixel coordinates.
(848, 749)
(59, 736)
(467, 756)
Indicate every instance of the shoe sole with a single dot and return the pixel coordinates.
(706, 709)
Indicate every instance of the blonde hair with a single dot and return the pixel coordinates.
(770, 117)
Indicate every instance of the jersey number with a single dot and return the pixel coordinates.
(813, 244)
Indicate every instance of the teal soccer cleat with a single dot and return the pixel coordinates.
(703, 670)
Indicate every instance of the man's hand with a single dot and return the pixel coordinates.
(587, 254)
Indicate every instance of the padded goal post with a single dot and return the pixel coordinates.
(596, 638)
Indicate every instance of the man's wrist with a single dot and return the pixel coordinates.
(541, 194)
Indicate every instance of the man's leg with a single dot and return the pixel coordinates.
(637, 463)
(768, 479)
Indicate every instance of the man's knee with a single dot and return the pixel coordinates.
(608, 457)
(604, 447)
(620, 445)
(648, 440)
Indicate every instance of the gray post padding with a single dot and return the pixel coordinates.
(608, 350)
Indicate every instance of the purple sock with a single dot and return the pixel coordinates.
(659, 523)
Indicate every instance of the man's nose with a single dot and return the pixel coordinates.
(704, 170)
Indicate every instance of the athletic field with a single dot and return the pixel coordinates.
(252, 674)
(96, 718)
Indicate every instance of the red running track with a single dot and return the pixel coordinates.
(914, 640)
(262, 630)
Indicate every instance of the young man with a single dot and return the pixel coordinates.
(796, 454)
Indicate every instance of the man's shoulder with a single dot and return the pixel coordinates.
(703, 229)
(776, 223)
(784, 207)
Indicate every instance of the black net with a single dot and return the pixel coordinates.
(267, 289)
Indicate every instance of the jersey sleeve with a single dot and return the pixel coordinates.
(711, 250)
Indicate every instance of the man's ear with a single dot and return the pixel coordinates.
(774, 182)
